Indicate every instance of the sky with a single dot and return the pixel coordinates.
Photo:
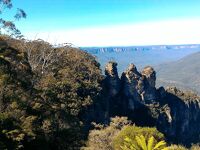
(111, 22)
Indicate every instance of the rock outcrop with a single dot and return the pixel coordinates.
(132, 86)
(175, 113)
(149, 93)
(138, 87)
(112, 79)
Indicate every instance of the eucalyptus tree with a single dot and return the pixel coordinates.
(7, 24)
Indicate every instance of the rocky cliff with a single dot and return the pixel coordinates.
(179, 118)
(175, 113)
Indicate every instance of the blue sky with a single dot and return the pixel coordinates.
(69, 17)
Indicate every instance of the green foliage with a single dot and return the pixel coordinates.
(140, 143)
(132, 131)
(42, 107)
(101, 138)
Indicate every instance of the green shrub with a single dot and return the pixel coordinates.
(133, 131)
(140, 143)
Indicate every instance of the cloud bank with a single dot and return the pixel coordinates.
(148, 33)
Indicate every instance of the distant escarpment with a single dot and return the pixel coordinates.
(173, 112)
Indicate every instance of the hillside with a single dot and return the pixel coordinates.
(44, 90)
(183, 73)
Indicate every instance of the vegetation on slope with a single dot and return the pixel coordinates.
(41, 106)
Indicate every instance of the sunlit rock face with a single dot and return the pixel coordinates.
(139, 87)
(149, 92)
(132, 86)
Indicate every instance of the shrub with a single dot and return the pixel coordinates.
(176, 147)
(133, 131)
(140, 143)
(195, 147)
(101, 138)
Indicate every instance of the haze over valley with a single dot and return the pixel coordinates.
(169, 62)
(141, 55)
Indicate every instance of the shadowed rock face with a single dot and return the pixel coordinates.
(112, 79)
(175, 113)
(138, 87)
(180, 116)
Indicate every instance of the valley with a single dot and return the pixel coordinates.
(176, 65)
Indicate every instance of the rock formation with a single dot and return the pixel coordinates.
(132, 86)
(138, 87)
(149, 93)
(112, 79)
(179, 119)
(174, 112)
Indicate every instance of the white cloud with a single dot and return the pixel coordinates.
(150, 33)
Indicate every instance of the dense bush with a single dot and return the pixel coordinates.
(101, 138)
(112, 137)
(41, 107)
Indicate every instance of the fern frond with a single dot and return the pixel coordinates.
(150, 143)
(166, 148)
(141, 142)
(127, 139)
(159, 144)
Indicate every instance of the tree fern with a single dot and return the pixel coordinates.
(141, 143)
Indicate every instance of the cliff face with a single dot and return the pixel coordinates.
(180, 116)
(138, 88)
(112, 79)
(174, 112)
